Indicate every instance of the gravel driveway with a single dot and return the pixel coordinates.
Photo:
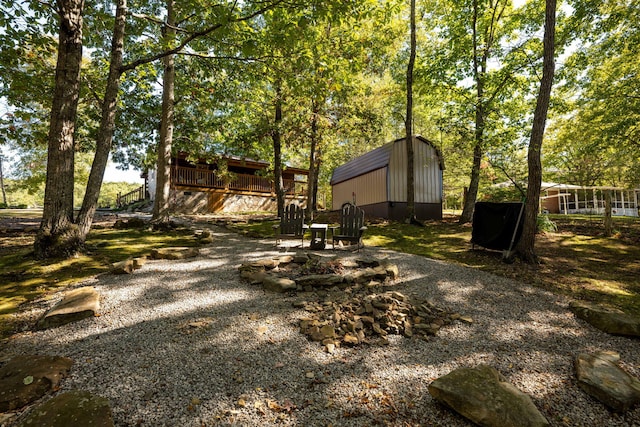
(187, 343)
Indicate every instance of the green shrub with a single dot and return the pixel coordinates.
(545, 225)
(3, 206)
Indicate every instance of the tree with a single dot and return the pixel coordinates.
(107, 124)
(526, 245)
(57, 235)
(4, 193)
(163, 175)
(411, 193)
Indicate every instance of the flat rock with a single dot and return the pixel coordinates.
(610, 320)
(77, 304)
(73, 408)
(123, 267)
(482, 395)
(253, 277)
(320, 280)
(24, 379)
(600, 376)
(179, 252)
(278, 284)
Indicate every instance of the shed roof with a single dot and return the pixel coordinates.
(373, 160)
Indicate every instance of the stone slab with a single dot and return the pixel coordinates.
(24, 379)
(77, 304)
(179, 252)
(600, 376)
(482, 395)
(73, 408)
(610, 320)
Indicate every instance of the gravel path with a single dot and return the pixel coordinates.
(187, 343)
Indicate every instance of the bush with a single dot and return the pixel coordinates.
(545, 225)
(3, 206)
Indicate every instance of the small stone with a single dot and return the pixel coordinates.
(350, 338)
(330, 347)
(278, 284)
(328, 331)
(122, 267)
(310, 375)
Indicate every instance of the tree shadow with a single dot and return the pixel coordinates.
(188, 343)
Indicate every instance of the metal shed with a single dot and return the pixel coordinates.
(377, 181)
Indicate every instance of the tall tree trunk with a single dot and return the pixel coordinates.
(107, 124)
(277, 150)
(58, 236)
(163, 179)
(4, 193)
(314, 197)
(411, 193)
(312, 179)
(479, 70)
(526, 246)
(608, 222)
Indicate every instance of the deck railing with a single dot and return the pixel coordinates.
(136, 195)
(209, 179)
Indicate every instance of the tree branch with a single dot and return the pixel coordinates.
(195, 35)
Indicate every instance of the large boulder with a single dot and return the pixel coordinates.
(76, 305)
(610, 320)
(74, 408)
(600, 376)
(24, 379)
(482, 395)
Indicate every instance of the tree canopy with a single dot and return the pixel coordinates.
(313, 84)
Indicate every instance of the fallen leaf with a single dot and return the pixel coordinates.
(195, 401)
(273, 405)
(27, 380)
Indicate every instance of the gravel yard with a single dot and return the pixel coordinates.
(188, 343)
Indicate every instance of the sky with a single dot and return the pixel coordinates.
(112, 174)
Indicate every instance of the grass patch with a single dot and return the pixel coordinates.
(577, 259)
(25, 279)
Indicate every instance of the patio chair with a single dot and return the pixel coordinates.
(291, 225)
(351, 226)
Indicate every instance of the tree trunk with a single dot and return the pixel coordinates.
(608, 223)
(411, 193)
(4, 193)
(107, 124)
(312, 178)
(161, 205)
(526, 246)
(277, 150)
(479, 70)
(58, 236)
(314, 199)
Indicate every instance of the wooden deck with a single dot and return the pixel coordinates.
(191, 177)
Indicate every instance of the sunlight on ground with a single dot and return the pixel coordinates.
(609, 287)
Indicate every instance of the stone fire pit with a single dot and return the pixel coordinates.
(362, 309)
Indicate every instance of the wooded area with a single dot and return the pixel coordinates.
(312, 84)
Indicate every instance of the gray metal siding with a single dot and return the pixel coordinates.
(427, 173)
(368, 188)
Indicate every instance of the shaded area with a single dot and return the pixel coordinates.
(187, 343)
